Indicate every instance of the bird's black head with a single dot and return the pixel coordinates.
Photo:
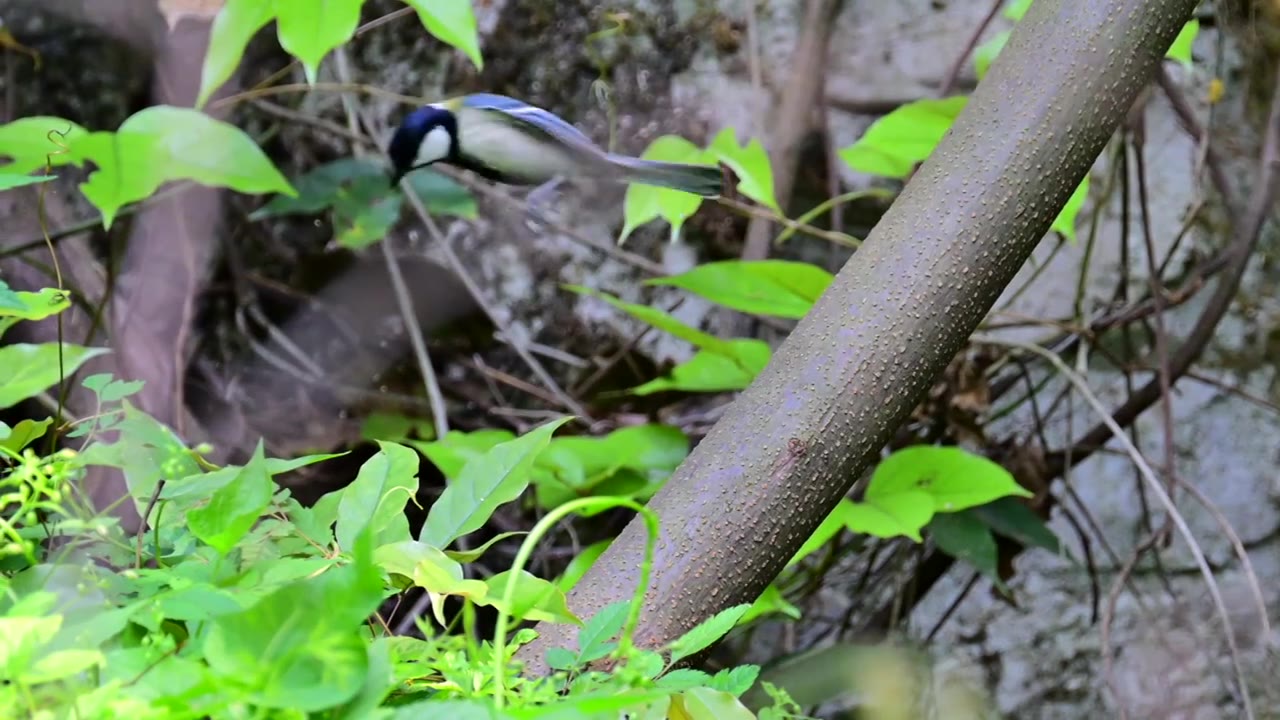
(427, 135)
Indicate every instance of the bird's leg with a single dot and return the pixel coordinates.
(540, 198)
(544, 193)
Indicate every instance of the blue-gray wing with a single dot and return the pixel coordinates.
(533, 116)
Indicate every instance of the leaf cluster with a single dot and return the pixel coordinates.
(239, 601)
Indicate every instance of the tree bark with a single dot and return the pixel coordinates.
(791, 445)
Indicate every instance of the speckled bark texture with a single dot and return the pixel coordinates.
(791, 445)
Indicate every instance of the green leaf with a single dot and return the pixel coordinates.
(836, 521)
(9, 181)
(1017, 9)
(1180, 50)
(97, 381)
(364, 207)
(535, 599)
(644, 203)
(317, 190)
(1012, 518)
(631, 461)
(1065, 223)
(10, 300)
(27, 370)
(595, 639)
(405, 557)
(707, 371)
(647, 663)
(590, 703)
(197, 602)
(316, 522)
(751, 163)
(376, 499)
(580, 564)
(661, 320)
(560, 659)
(453, 451)
(23, 305)
(895, 143)
(442, 195)
(451, 709)
(164, 143)
(118, 390)
(21, 637)
(237, 22)
(683, 679)
(470, 556)
(378, 683)
(485, 484)
(234, 508)
(453, 22)
(430, 569)
(987, 52)
(37, 142)
(735, 681)
(707, 704)
(649, 448)
(964, 537)
(770, 601)
(32, 305)
(279, 466)
(912, 484)
(126, 171)
(23, 434)
(311, 29)
(389, 426)
(62, 664)
(954, 478)
(891, 511)
(706, 633)
(301, 647)
(656, 709)
(782, 288)
(147, 451)
(360, 221)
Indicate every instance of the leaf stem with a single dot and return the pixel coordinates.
(522, 559)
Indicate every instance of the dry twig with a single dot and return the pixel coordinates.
(1156, 488)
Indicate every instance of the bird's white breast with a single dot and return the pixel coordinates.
(434, 146)
(508, 149)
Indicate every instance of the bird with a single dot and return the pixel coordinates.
(511, 142)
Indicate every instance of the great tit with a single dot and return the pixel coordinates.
(508, 141)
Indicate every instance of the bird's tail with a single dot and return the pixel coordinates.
(704, 180)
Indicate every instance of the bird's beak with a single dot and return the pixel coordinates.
(396, 176)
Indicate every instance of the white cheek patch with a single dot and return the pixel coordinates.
(434, 146)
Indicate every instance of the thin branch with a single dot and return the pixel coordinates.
(517, 343)
(796, 103)
(1236, 258)
(1157, 489)
(949, 82)
(439, 413)
(299, 118)
(759, 213)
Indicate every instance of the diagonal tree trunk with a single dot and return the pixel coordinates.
(791, 445)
